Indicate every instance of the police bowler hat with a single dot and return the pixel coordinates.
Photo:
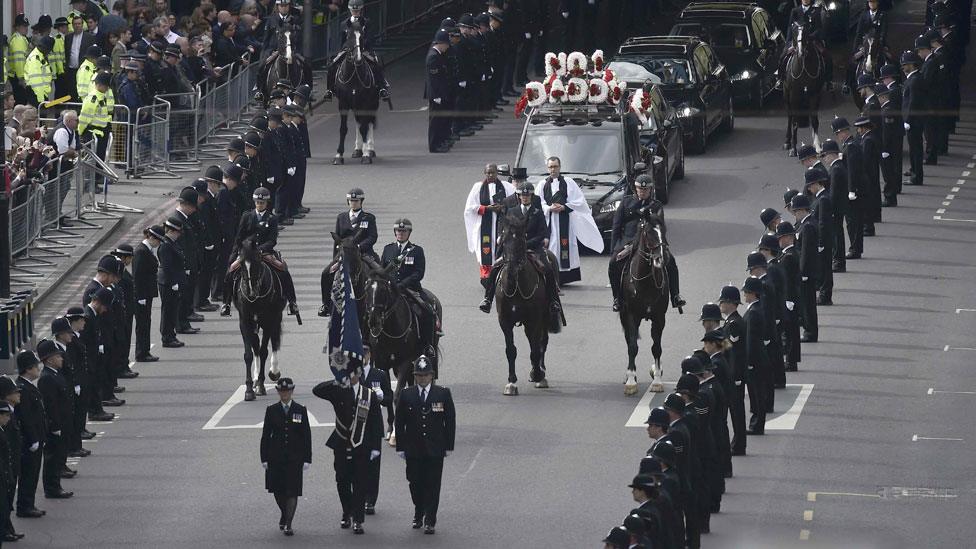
(755, 259)
(767, 215)
(730, 294)
(285, 384)
(829, 146)
(785, 228)
(710, 311)
(752, 285)
(26, 360)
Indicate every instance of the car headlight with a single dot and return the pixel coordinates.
(611, 207)
(744, 75)
(832, 6)
(686, 111)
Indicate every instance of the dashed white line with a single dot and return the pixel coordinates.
(940, 211)
(971, 165)
(965, 174)
(955, 189)
(916, 438)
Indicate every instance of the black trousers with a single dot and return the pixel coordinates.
(791, 341)
(169, 308)
(826, 269)
(30, 473)
(373, 481)
(143, 318)
(916, 153)
(808, 294)
(424, 477)
(933, 134)
(840, 241)
(79, 413)
(208, 264)
(776, 368)
(7, 524)
(526, 49)
(186, 300)
(855, 226)
(352, 474)
(55, 457)
(891, 172)
(439, 119)
(756, 381)
(737, 411)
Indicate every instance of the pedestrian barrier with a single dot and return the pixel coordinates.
(16, 328)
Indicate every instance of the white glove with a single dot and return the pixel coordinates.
(885, 155)
(176, 287)
(592, 2)
(565, 15)
(187, 271)
(305, 466)
(291, 171)
(738, 383)
(270, 180)
(101, 349)
(540, 33)
(482, 78)
(374, 454)
(852, 196)
(907, 126)
(402, 455)
(528, 36)
(437, 100)
(790, 305)
(463, 83)
(77, 389)
(778, 321)
(142, 302)
(379, 393)
(56, 433)
(264, 464)
(210, 247)
(805, 278)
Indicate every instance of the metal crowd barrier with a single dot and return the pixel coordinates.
(16, 327)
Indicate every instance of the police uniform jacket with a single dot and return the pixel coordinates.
(364, 228)
(472, 63)
(626, 220)
(439, 84)
(425, 429)
(933, 73)
(91, 338)
(838, 173)
(126, 292)
(375, 379)
(297, 155)
(262, 228)
(229, 209)
(816, 17)
(30, 414)
(57, 398)
(76, 356)
(789, 261)
(807, 240)
(735, 330)
(368, 435)
(190, 240)
(209, 222)
(723, 373)
(145, 269)
(152, 73)
(864, 23)
(823, 209)
(777, 278)
(15, 446)
(171, 263)
(269, 156)
(892, 128)
(536, 230)
(679, 435)
(286, 438)
(7, 476)
(412, 264)
(872, 109)
(755, 324)
(276, 22)
(913, 100)
(854, 158)
(288, 148)
(871, 150)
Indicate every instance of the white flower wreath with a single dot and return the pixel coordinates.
(599, 91)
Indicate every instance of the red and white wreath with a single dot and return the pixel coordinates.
(557, 91)
(599, 91)
(576, 64)
(597, 59)
(577, 91)
(617, 90)
(555, 64)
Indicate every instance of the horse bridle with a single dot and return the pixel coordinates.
(518, 287)
(655, 253)
(384, 314)
(246, 275)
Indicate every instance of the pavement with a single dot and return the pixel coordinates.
(873, 445)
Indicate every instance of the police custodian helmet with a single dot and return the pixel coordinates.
(261, 193)
(403, 224)
(355, 194)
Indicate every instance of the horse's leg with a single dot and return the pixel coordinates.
(631, 323)
(247, 334)
(794, 126)
(510, 352)
(361, 138)
(787, 144)
(262, 359)
(369, 141)
(815, 127)
(657, 328)
(538, 354)
(343, 129)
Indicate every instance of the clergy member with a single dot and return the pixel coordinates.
(570, 221)
(481, 217)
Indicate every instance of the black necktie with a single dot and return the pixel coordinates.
(423, 395)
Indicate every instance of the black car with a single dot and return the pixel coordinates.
(598, 146)
(690, 76)
(745, 39)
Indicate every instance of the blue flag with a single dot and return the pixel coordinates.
(345, 339)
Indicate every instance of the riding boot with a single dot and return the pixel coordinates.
(672, 269)
(288, 288)
(326, 286)
(427, 331)
(828, 70)
(228, 293)
(614, 270)
(552, 288)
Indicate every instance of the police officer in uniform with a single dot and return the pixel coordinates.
(190, 243)
(856, 185)
(145, 271)
(789, 263)
(772, 305)
(837, 187)
(210, 240)
(425, 430)
(822, 207)
(33, 427)
(11, 446)
(126, 289)
(439, 94)
(871, 156)
(626, 221)
(102, 365)
(355, 441)
(286, 451)
(807, 240)
(379, 381)
(356, 222)
(914, 104)
(171, 279)
(734, 330)
(57, 398)
(933, 73)
(892, 139)
(411, 265)
(756, 357)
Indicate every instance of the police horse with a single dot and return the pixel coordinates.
(358, 91)
(873, 57)
(283, 64)
(644, 295)
(393, 330)
(520, 298)
(260, 301)
(804, 79)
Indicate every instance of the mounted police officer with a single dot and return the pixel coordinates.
(356, 222)
(356, 22)
(626, 220)
(282, 19)
(261, 226)
(410, 267)
(526, 205)
(813, 16)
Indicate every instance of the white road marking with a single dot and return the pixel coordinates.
(955, 189)
(951, 196)
(948, 348)
(960, 182)
(237, 398)
(940, 218)
(946, 203)
(971, 165)
(916, 438)
(940, 211)
(965, 174)
(965, 310)
(643, 408)
(932, 391)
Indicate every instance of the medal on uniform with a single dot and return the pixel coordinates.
(437, 407)
(408, 260)
(296, 418)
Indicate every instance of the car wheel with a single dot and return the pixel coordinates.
(729, 123)
(679, 170)
(699, 138)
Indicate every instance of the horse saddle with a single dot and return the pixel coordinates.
(271, 260)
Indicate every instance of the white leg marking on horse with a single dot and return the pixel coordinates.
(656, 382)
(369, 138)
(274, 362)
(630, 383)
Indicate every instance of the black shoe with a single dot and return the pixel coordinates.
(616, 305)
(907, 173)
(868, 232)
(288, 531)
(467, 132)
(790, 367)
(738, 451)
(118, 389)
(440, 150)
(88, 435)
(58, 495)
(357, 528)
(11, 536)
(173, 343)
(298, 216)
(103, 416)
(429, 529)
(485, 306)
(344, 523)
(755, 432)
(304, 210)
(931, 161)
(853, 255)
(68, 473)
(325, 310)
(31, 513)
(416, 524)
(824, 301)
(476, 127)
(838, 267)
(128, 374)
(287, 221)
(188, 330)
(79, 453)
(147, 358)
(113, 402)
(779, 386)
(207, 307)
(370, 509)
(808, 338)
(195, 317)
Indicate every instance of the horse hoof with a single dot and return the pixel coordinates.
(786, 146)
(657, 387)
(249, 396)
(273, 376)
(372, 154)
(543, 384)
(791, 153)
(366, 160)
(510, 390)
(392, 441)
(630, 389)
(358, 153)
(338, 161)
(260, 390)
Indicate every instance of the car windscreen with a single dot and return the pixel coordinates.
(579, 150)
(626, 71)
(670, 70)
(719, 35)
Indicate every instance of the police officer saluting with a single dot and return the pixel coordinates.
(286, 451)
(425, 429)
(356, 222)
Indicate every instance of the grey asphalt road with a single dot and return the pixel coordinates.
(853, 467)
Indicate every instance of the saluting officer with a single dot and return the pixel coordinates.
(171, 278)
(355, 441)
(286, 451)
(33, 427)
(410, 269)
(822, 208)
(439, 94)
(837, 173)
(379, 382)
(871, 156)
(145, 271)
(425, 429)
(807, 240)
(914, 103)
(356, 223)
(734, 330)
(856, 185)
(789, 262)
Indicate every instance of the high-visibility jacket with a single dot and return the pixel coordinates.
(75, 13)
(94, 116)
(39, 76)
(17, 49)
(56, 57)
(83, 79)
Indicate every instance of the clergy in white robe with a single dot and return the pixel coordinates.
(480, 222)
(570, 222)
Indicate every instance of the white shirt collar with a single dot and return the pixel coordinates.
(911, 73)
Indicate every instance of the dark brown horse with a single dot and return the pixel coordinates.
(521, 299)
(260, 302)
(349, 251)
(804, 80)
(644, 295)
